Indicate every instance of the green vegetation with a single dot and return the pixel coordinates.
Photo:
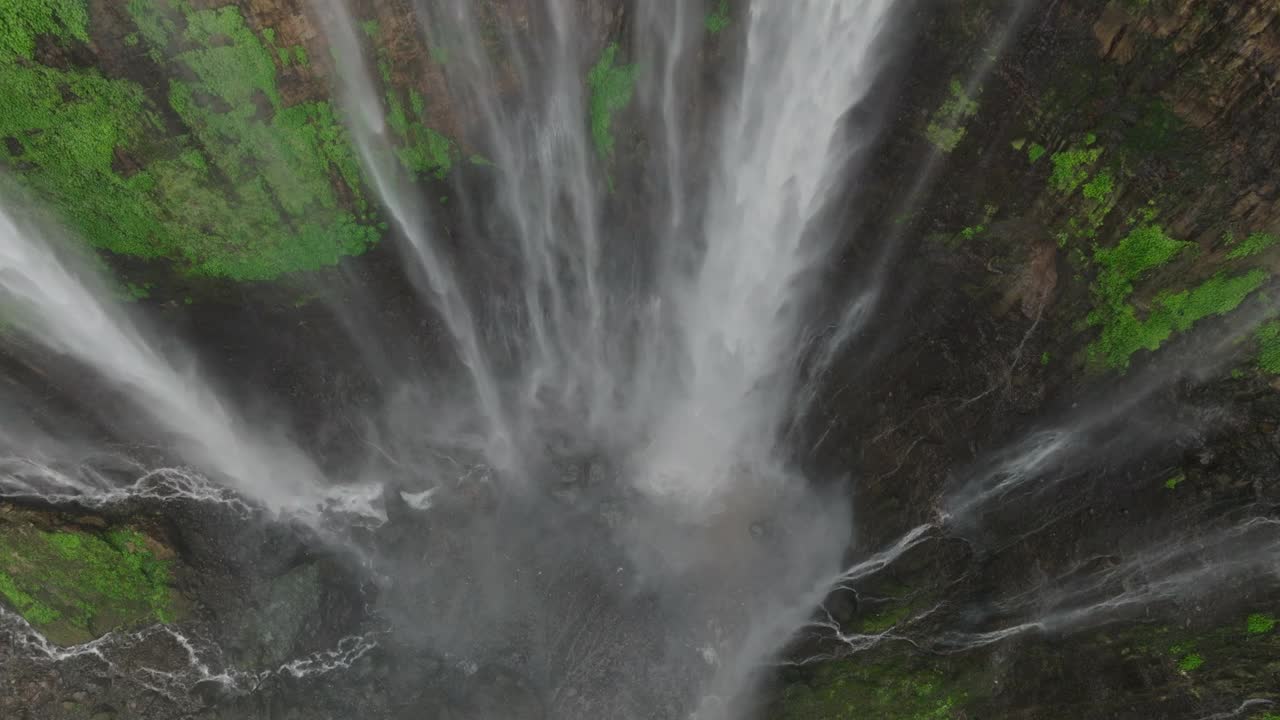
(718, 18)
(1100, 187)
(1045, 357)
(946, 126)
(857, 688)
(22, 20)
(1123, 334)
(611, 87)
(1145, 248)
(74, 585)
(1252, 245)
(1268, 336)
(1190, 662)
(1035, 152)
(1259, 624)
(421, 149)
(1071, 168)
(249, 194)
(1174, 481)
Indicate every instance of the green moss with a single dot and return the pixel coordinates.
(611, 86)
(21, 21)
(1252, 245)
(370, 27)
(420, 149)
(718, 19)
(75, 585)
(1100, 187)
(1071, 168)
(946, 126)
(249, 194)
(1174, 481)
(1145, 248)
(1268, 336)
(1045, 358)
(1035, 152)
(1259, 624)
(856, 688)
(1190, 662)
(1124, 334)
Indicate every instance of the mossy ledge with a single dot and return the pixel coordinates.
(76, 579)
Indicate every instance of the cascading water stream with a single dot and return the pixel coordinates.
(67, 312)
(653, 563)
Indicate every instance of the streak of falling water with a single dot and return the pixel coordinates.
(377, 156)
(548, 194)
(67, 312)
(806, 64)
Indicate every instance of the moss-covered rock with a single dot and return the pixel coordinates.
(76, 582)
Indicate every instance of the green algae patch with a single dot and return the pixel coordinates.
(74, 584)
(858, 688)
(611, 87)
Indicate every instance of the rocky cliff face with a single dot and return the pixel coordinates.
(203, 135)
(1086, 207)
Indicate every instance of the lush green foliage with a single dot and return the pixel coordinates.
(1145, 248)
(1035, 152)
(611, 87)
(1071, 168)
(22, 20)
(1252, 245)
(74, 585)
(1190, 662)
(1259, 624)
